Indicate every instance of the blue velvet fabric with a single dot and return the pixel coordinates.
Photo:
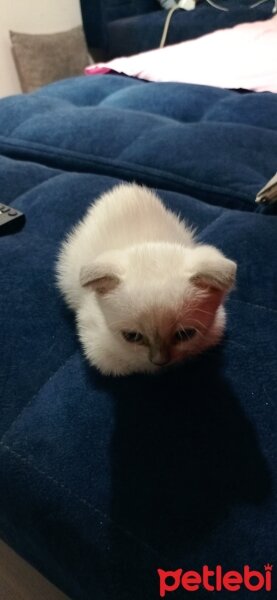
(104, 480)
(98, 14)
(159, 134)
(140, 33)
(129, 27)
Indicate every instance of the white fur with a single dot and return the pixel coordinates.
(133, 265)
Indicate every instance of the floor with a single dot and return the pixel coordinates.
(19, 581)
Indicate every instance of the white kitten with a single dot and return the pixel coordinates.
(144, 292)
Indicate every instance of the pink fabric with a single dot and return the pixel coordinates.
(244, 56)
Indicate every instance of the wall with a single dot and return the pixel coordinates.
(30, 16)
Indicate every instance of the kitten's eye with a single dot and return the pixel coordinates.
(134, 337)
(183, 335)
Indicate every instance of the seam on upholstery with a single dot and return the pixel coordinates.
(274, 310)
(65, 488)
(40, 183)
(102, 163)
(211, 223)
(33, 398)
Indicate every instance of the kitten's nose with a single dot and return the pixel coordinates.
(159, 362)
(159, 355)
(160, 359)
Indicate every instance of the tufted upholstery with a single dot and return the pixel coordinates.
(104, 480)
(160, 134)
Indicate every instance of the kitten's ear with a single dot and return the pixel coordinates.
(99, 277)
(211, 269)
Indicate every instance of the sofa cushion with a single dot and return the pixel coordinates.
(193, 139)
(105, 480)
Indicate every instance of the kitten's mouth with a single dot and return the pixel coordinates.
(160, 364)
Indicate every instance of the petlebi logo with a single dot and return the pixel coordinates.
(216, 580)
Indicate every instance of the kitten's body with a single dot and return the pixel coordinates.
(133, 266)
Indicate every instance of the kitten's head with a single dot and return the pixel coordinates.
(156, 304)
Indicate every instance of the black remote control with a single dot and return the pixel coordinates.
(11, 219)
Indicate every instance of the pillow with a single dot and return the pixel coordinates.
(41, 59)
(243, 57)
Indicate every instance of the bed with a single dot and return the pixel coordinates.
(106, 480)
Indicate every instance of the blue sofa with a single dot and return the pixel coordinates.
(127, 27)
(105, 480)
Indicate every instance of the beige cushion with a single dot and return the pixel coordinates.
(41, 59)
